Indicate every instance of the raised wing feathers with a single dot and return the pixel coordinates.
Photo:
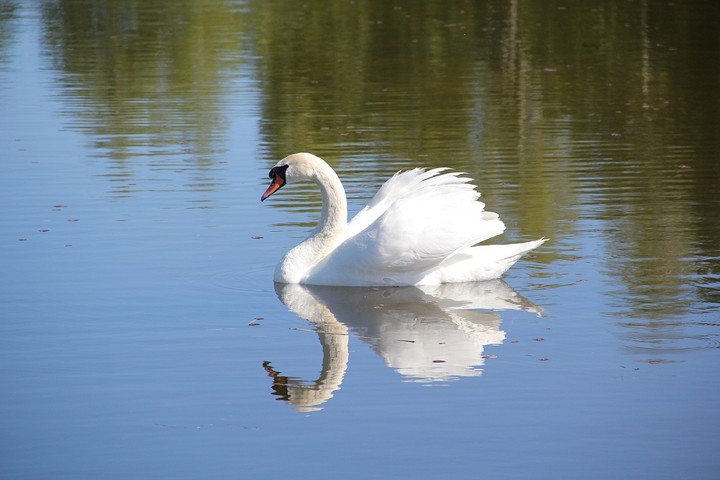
(416, 221)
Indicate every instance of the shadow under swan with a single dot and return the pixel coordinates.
(427, 334)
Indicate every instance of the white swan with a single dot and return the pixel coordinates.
(420, 228)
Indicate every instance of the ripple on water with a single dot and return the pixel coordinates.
(670, 338)
(255, 279)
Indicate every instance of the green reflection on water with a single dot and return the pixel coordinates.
(145, 77)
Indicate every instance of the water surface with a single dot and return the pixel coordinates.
(141, 334)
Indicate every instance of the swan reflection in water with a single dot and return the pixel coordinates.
(427, 334)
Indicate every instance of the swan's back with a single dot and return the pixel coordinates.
(416, 221)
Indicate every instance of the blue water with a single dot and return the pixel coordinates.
(141, 335)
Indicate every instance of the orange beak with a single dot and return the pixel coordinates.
(275, 185)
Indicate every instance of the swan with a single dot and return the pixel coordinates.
(422, 227)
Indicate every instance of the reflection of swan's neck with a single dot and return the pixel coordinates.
(333, 337)
(333, 221)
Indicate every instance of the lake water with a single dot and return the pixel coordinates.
(141, 335)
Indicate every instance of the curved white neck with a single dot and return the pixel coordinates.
(333, 218)
(298, 262)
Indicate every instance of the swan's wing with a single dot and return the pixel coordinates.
(414, 222)
(398, 186)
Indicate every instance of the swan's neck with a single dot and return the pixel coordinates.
(333, 219)
(299, 261)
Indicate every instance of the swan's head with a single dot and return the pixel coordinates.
(298, 166)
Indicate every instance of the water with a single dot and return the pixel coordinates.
(141, 334)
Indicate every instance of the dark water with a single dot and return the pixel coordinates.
(141, 335)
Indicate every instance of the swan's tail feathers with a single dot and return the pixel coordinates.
(517, 250)
(505, 256)
(482, 262)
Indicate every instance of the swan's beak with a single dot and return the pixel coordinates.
(275, 185)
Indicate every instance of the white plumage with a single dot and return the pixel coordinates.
(420, 228)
